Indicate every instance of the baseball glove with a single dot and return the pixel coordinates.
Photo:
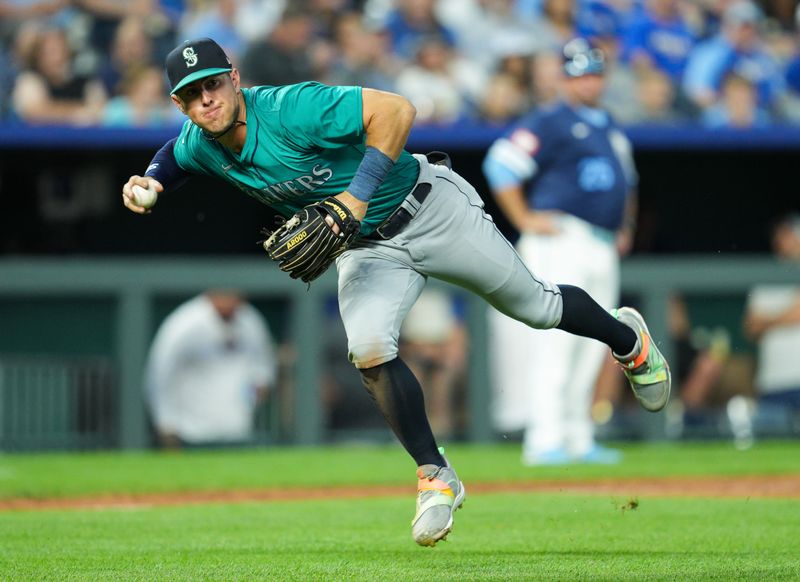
(306, 245)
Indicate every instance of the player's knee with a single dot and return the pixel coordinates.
(370, 354)
(539, 310)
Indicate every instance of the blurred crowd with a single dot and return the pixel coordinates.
(711, 62)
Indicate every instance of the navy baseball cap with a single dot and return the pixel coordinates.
(195, 59)
(583, 58)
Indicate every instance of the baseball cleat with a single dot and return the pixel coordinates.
(647, 372)
(439, 495)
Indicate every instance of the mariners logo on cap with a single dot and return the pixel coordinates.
(195, 59)
(190, 56)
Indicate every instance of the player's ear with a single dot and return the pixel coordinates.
(178, 103)
(235, 79)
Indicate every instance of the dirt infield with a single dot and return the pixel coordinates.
(762, 486)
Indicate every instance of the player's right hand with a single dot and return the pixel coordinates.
(127, 193)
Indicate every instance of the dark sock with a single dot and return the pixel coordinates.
(583, 316)
(396, 391)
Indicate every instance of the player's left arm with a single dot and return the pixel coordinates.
(387, 119)
(508, 165)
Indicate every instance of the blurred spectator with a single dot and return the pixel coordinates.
(14, 60)
(364, 59)
(14, 13)
(516, 64)
(106, 15)
(737, 106)
(255, 19)
(655, 100)
(347, 404)
(17, 14)
(410, 22)
(738, 48)
(503, 100)
(772, 321)
(619, 97)
(790, 106)
(433, 343)
(430, 83)
(285, 55)
(49, 91)
(600, 19)
(131, 49)
(545, 77)
(217, 20)
(523, 80)
(556, 25)
(783, 12)
(660, 38)
(326, 15)
(700, 358)
(211, 363)
(142, 102)
(487, 30)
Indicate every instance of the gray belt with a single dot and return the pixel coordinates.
(402, 215)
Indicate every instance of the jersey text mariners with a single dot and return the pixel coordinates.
(304, 143)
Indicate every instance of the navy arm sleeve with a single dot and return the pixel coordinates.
(164, 167)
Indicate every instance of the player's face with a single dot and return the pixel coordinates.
(211, 103)
(586, 89)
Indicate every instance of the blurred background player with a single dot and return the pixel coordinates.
(772, 320)
(564, 176)
(211, 363)
(433, 342)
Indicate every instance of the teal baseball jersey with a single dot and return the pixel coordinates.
(304, 143)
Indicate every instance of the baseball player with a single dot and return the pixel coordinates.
(310, 150)
(564, 175)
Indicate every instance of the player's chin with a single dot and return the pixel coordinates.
(213, 122)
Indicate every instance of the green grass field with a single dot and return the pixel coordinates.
(497, 536)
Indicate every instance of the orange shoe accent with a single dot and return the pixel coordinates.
(640, 359)
(434, 485)
(643, 353)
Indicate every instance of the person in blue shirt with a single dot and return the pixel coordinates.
(737, 106)
(564, 176)
(411, 22)
(659, 37)
(739, 49)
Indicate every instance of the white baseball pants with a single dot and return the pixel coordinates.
(544, 383)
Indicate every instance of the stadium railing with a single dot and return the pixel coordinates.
(135, 283)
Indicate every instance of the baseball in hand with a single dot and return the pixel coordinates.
(144, 197)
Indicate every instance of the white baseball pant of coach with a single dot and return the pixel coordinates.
(450, 238)
(544, 383)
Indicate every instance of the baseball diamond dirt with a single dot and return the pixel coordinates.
(761, 486)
